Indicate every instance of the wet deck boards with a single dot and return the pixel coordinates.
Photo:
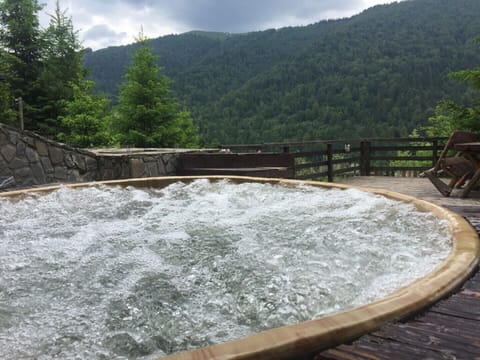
(449, 329)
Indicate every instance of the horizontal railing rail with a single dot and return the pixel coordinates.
(327, 159)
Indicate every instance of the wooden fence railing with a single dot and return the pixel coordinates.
(375, 156)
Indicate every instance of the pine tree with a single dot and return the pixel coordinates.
(85, 117)
(20, 39)
(7, 114)
(148, 114)
(62, 68)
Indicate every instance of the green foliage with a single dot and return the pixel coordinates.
(46, 69)
(7, 115)
(85, 117)
(444, 121)
(148, 114)
(62, 66)
(20, 39)
(376, 74)
(450, 116)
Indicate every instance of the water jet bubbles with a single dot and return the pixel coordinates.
(126, 272)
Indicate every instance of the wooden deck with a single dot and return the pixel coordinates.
(448, 330)
(421, 188)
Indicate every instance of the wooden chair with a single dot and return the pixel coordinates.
(457, 167)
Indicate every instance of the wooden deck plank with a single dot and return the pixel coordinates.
(420, 339)
(465, 330)
(450, 329)
(378, 349)
(421, 188)
(460, 306)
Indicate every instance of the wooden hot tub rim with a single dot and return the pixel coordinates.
(294, 341)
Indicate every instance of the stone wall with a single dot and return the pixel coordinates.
(27, 159)
(136, 164)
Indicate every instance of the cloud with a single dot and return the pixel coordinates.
(248, 15)
(105, 23)
(102, 35)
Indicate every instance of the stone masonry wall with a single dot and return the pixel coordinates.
(136, 165)
(27, 159)
(33, 160)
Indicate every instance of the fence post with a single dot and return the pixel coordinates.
(365, 158)
(20, 112)
(434, 152)
(330, 162)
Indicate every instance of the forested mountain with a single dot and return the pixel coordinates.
(379, 73)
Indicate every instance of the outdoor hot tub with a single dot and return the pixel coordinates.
(216, 267)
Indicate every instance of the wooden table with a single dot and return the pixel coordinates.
(470, 151)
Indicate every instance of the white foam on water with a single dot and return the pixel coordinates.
(111, 272)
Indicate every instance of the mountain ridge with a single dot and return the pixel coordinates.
(378, 73)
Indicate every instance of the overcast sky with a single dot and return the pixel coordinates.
(105, 23)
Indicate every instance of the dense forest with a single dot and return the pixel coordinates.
(379, 73)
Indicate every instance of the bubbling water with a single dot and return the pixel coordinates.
(112, 272)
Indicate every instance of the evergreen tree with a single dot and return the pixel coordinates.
(148, 114)
(62, 68)
(7, 114)
(85, 117)
(20, 38)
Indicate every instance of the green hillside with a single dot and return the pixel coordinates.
(379, 73)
